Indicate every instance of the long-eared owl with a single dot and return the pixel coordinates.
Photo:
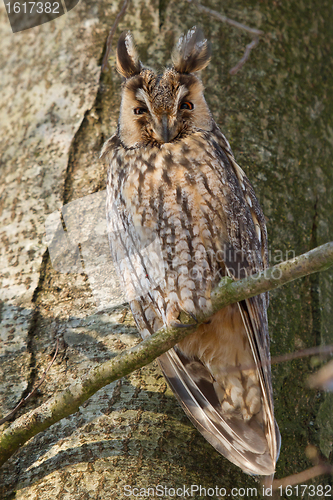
(182, 214)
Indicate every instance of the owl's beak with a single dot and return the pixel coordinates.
(163, 130)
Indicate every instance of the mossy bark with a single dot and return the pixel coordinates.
(57, 111)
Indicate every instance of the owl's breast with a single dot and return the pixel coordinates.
(187, 197)
(177, 188)
(179, 193)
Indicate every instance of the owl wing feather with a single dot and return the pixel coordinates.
(254, 310)
(194, 388)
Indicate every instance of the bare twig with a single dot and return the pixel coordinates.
(111, 35)
(282, 358)
(63, 404)
(303, 477)
(303, 353)
(26, 399)
(224, 19)
(323, 379)
(245, 57)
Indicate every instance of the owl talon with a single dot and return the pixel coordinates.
(178, 324)
(183, 315)
(193, 317)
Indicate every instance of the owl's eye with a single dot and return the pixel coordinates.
(140, 111)
(186, 105)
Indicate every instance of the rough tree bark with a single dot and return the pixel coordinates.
(56, 111)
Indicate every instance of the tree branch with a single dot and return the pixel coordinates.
(224, 19)
(302, 477)
(228, 292)
(245, 57)
(111, 35)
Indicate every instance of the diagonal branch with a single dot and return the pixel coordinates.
(67, 402)
(245, 57)
(225, 19)
(302, 477)
(255, 33)
(111, 35)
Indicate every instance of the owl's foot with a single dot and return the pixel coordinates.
(178, 324)
(193, 317)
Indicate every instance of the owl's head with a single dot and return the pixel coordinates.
(157, 109)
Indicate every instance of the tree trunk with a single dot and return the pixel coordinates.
(56, 112)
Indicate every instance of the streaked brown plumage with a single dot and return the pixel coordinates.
(181, 214)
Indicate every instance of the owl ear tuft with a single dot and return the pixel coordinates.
(192, 52)
(128, 63)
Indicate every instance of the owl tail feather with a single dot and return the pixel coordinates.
(243, 443)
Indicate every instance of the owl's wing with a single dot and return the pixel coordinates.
(254, 448)
(254, 315)
(253, 312)
(193, 385)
